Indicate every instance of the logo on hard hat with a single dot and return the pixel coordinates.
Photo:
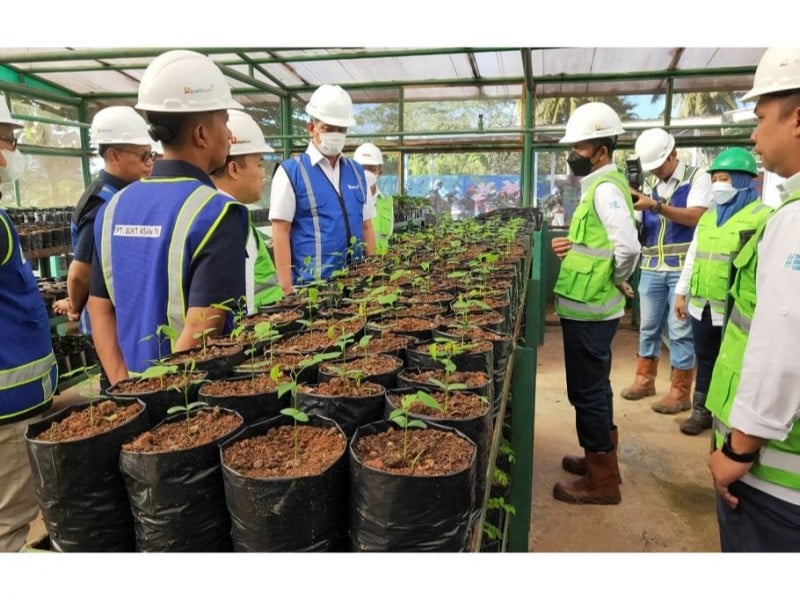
(236, 140)
(190, 90)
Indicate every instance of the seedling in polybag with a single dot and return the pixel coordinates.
(188, 371)
(299, 417)
(401, 415)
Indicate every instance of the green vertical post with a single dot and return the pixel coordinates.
(286, 125)
(523, 387)
(83, 117)
(540, 274)
(528, 176)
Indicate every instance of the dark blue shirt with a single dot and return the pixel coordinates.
(84, 239)
(212, 278)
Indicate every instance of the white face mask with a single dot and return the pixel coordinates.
(372, 178)
(723, 192)
(331, 143)
(15, 166)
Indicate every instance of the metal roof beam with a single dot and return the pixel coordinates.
(108, 53)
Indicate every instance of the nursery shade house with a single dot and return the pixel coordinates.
(462, 115)
(477, 128)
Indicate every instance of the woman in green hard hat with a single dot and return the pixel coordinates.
(702, 289)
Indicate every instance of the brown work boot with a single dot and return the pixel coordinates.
(645, 382)
(677, 398)
(598, 486)
(576, 465)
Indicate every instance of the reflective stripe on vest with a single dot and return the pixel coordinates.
(667, 249)
(176, 309)
(37, 369)
(768, 457)
(595, 309)
(315, 220)
(105, 245)
(741, 321)
(595, 252)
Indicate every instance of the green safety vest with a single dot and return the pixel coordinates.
(266, 288)
(715, 245)
(383, 222)
(779, 462)
(585, 288)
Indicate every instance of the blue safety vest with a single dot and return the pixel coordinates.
(100, 191)
(147, 236)
(667, 242)
(324, 221)
(28, 369)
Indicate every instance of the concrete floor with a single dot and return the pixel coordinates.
(667, 497)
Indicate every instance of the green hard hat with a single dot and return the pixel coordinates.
(734, 159)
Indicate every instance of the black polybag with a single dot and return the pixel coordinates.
(178, 498)
(406, 513)
(303, 514)
(349, 413)
(79, 487)
(478, 429)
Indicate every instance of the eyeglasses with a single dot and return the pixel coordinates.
(143, 156)
(12, 141)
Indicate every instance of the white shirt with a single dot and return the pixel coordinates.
(684, 284)
(767, 402)
(282, 202)
(699, 194)
(616, 218)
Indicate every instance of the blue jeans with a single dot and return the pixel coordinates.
(657, 310)
(587, 358)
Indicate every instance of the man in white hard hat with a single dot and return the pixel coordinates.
(318, 200)
(28, 370)
(370, 157)
(170, 247)
(754, 393)
(598, 256)
(242, 177)
(120, 135)
(680, 197)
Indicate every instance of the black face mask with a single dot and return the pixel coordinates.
(579, 165)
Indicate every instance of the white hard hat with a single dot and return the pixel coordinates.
(119, 125)
(331, 105)
(246, 135)
(182, 81)
(368, 154)
(591, 121)
(654, 147)
(5, 114)
(778, 71)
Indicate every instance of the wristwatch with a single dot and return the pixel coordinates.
(657, 208)
(728, 451)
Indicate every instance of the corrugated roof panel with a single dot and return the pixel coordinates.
(441, 93)
(503, 91)
(571, 61)
(716, 58)
(96, 82)
(500, 64)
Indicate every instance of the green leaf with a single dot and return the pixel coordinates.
(196, 404)
(159, 371)
(286, 387)
(401, 420)
(423, 398)
(418, 424)
(175, 409)
(297, 415)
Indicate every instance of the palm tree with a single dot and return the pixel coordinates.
(704, 104)
(556, 111)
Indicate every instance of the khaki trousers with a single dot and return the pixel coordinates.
(18, 505)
